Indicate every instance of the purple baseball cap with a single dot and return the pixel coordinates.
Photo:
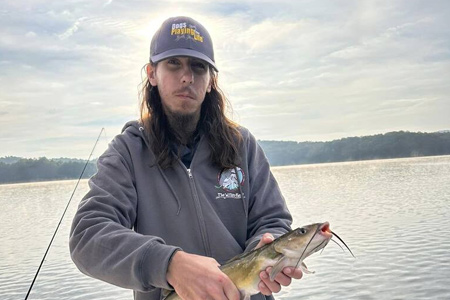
(182, 36)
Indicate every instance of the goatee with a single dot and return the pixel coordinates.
(183, 125)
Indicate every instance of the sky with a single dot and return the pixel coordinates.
(315, 70)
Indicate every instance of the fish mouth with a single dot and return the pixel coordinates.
(325, 234)
(325, 230)
(322, 236)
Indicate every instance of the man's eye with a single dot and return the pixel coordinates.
(172, 61)
(199, 65)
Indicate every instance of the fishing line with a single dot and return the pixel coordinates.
(62, 217)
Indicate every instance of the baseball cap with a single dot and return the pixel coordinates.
(182, 36)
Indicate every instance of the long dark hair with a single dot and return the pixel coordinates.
(223, 135)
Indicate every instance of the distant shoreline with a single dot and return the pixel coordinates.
(43, 181)
(22, 170)
(274, 167)
(392, 145)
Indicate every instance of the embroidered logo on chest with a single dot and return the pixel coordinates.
(230, 179)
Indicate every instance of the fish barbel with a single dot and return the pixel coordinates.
(288, 250)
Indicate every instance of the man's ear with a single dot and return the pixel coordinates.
(151, 74)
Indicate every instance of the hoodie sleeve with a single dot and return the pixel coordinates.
(102, 242)
(267, 210)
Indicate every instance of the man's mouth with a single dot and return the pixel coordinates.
(185, 96)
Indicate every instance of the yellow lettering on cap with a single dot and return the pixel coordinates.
(198, 37)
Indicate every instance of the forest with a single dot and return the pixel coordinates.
(16, 169)
(381, 146)
(279, 153)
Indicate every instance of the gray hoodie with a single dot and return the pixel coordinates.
(136, 215)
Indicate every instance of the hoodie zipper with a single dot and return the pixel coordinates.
(198, 209)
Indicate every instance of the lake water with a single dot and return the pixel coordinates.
(394, 215)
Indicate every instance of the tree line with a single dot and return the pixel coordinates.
(381, 146)
(13, 169)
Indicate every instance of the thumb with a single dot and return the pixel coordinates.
(267, 238)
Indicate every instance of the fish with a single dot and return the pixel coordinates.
(288, 250)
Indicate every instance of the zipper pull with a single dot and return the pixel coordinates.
(190, 173)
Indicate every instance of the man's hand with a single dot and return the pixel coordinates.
(284, 278)
(199, 277)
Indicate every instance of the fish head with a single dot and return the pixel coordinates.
(304, 241)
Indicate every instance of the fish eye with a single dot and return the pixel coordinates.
(302, 230)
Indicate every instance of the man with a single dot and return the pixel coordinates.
(162, 212)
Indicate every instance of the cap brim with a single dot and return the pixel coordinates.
(182, 52)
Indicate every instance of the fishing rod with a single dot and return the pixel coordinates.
(62, 217)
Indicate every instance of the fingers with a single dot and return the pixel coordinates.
(267, 287)
(198, 277)
(229, 289)
(264, 289)
(214, 293)
(231, 292)
(222, 289)
(293, 272)
(280, 279)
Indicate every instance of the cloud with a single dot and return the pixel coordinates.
(70, 31)
(107, 3)
(268, 33)
(293, 70)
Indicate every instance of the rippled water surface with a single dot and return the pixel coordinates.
(394, 215)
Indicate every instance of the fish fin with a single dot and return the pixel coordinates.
(277, 267)
(305, 269)
(245, 296)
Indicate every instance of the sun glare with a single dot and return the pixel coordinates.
(153, 22)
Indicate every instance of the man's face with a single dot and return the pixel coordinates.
(182, 84)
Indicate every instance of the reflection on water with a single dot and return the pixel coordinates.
(393, 214)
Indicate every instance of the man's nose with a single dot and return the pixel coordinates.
(188, 75)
